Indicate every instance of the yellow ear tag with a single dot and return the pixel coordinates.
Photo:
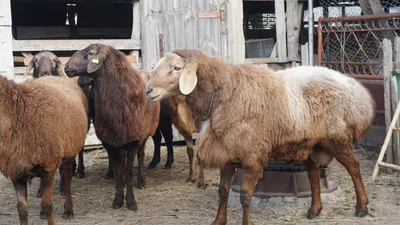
(95, 61)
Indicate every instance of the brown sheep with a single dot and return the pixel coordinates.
(124, 117)
(43, 126)
(175, 111)
(45, 63)
(251, 115)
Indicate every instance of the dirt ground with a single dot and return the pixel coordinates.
(169, 200)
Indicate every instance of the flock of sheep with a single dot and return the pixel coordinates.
(245, 117)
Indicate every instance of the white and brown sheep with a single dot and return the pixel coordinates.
(43, 125)
(251, 115)
(124, 117)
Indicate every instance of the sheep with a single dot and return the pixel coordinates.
(124, 116)
(250, 115)
(43, 126)
(175, 111)
(45, 63)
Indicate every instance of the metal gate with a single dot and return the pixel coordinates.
(353, 46)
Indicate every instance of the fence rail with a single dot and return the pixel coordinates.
(353, 45)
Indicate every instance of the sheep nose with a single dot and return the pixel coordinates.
(148, 90)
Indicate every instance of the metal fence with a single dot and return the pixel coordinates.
(350, 38)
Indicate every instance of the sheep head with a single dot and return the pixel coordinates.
(45, 63)
(173, 75)
(87, 61)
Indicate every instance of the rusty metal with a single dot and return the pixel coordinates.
(208, 15)
(353, 45)
(222, 14)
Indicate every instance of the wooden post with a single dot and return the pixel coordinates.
(292, 27)
(395, 99)
(6, 50)
(387, 73)
(280, 30)
(136, 26)
(304, 55)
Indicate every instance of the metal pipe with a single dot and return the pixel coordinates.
(310, 33)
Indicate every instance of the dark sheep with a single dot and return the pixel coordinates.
(45, 63)
(124, 117)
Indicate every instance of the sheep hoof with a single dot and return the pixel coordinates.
(39, 194)
(68, 214)
(202, 185)
(217, 222)
(152, 164)
(117, 205)
(141, 183)
(132, 206)
(108, 176)
(313, 212)
(361, 211)
(168, 165)
(80, 175)
(191, 179)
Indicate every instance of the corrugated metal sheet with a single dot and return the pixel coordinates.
(181, 27)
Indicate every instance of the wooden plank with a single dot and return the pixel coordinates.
(72, 45)
(396, 138)
(6, 55)
(190, 24)
(304, 54)
(387, 72)
(58, 32)
(292, 27)
(280, 30)
(136, 24)
(22, 69)
(131, 59)
(204, 28)
(169, 26)
(236, 42)
(261, 60)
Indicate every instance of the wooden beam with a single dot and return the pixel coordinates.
(6, 56)
(304, 54)
(72, 45)
(131, 59)
(261, 60)
(395, 102)
(387, 73)
(293, 24)
(280, 30)
(136, 24)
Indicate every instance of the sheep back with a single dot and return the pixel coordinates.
(43, 122)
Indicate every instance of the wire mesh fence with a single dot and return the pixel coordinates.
(351, 34)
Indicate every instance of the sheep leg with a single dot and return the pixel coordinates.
(117, 165)
(226, 175)
(110, 173)
(141, 181)
(166, 130)
(68, 207)
(62, 180)
(252, 174)
(46, 210)
(81, 166)
(130, 156)
(190, 152)
(22, 205)
(313, 177)
(40, 190)
(157, 145)
(346, 157)
(201, 180)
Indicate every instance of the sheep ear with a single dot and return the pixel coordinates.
(94, 64)
(188, 78)
(29, 67)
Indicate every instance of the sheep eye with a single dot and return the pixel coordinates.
(177, 68)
